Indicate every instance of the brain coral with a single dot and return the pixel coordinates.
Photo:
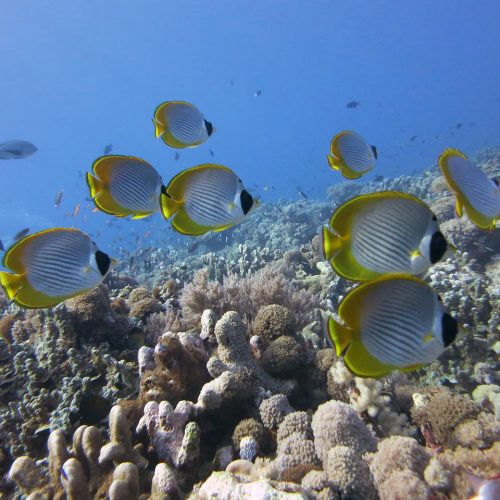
(337, 424)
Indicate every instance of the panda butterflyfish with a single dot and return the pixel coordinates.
(51, 266)
(125, 186)
(351, 155)
(392, 323)
(472, 188)
(383, 233)
(181, 125)
(206, 198)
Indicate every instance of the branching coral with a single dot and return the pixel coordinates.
(245, 296)
(367, 395)
(236, 373)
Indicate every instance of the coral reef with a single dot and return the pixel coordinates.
(208, 373)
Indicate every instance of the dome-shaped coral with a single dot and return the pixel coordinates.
(443, 411)
(298, 422)
(295, 450)
(349, 474)
(282, 356)
(337, 424)
(271, 322)
(398, 453)
(249, 427)
(404, 484)
(273, 410)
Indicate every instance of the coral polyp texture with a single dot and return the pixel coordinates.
(204, 371)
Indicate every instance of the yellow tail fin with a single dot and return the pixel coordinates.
(95, 185)
(331, 243)
(340, 335)
(332, 161)
(11, 283)
(168, 205)
(159, 128)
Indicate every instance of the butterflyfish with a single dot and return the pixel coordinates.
(206, 198)
(181, 125)
(484, 488)
(125, 186)
(351, 155)
(16, 150)
(383, 233)
(474, 191)
(51, 266)
(392, 323)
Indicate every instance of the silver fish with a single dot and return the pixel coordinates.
(16, 150)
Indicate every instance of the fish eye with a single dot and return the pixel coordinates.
(434, 218)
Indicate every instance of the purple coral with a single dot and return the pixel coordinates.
(173, 439)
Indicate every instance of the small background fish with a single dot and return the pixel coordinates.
(16, 150)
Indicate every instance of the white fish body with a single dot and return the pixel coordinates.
(397, 322)
(187, 124)
(383, 238)
(212, 198)
(473, 189)
(60, 264)
(135, 186)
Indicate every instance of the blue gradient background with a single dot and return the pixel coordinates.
(75, 76)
